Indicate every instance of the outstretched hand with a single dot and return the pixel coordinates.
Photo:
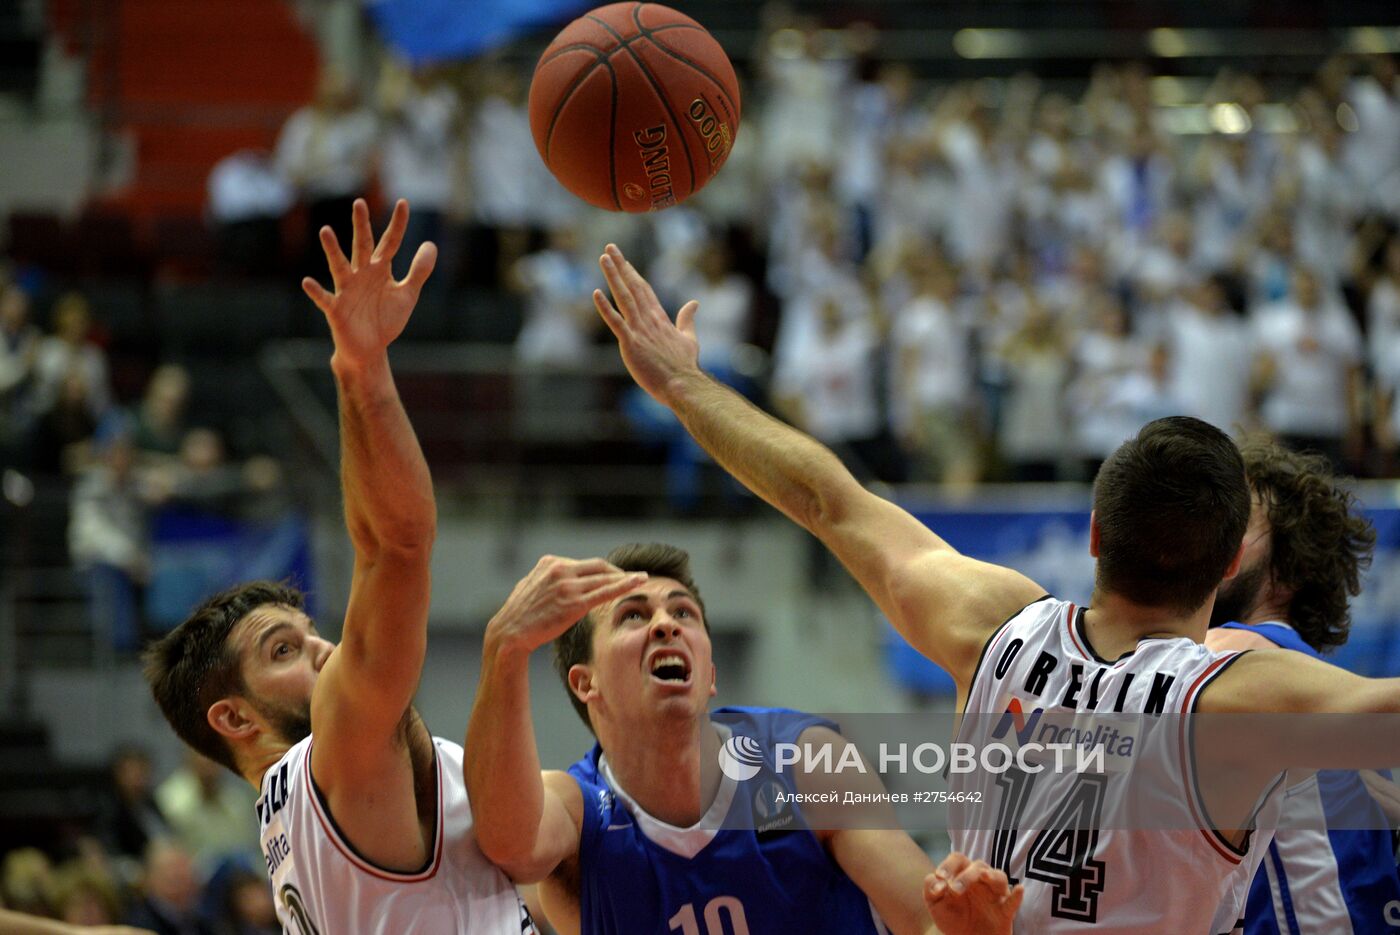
(968, 897)
(655, 349)
(369, 309)
(554, 596)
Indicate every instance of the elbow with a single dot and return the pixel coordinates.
(515, 862)
(824, 496)
(406, 537)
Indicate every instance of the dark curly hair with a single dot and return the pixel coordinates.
(1319, 544)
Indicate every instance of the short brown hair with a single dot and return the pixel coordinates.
(194, 666)
(1318, 544)
(656, 559)
(1172, 505)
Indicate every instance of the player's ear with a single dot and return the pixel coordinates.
(581, 682)
(714, 672)
(1093, 533)
(1235, 562)
(230, 718)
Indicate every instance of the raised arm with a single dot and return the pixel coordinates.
(944, 603)
(527, 823)
(363, 692)
(1290, 711)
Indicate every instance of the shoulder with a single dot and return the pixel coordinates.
(568, 789)
(1236, 638)
(769, 725)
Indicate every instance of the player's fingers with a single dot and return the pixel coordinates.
(611, 317)
(393, 235)
(1013, 902)
(608, 578)
(967, 878)
(335, 257)
(995, 879)
(317, 293)
(641, 289)
(617, 284)
(951, 866)
(420, 269)
(608, 587)
(363, 240)
(594, 566)
(935, 890)
(685, 318)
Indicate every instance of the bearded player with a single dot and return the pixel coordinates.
(364, 819)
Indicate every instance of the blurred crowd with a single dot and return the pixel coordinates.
(178, 857)
(950, 283)
(947, 282)
(60, 424)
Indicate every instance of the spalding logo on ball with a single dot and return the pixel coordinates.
(634, 107)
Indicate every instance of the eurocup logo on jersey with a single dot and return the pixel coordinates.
(740, 758)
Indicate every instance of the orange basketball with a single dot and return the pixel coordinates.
(634, 107)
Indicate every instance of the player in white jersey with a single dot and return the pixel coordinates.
(1170, 508)
(1040, 668)
(365, 823)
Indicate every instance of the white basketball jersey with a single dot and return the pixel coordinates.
(1122, 849)
(323, 887)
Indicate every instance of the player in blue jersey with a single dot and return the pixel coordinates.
(653, 832)
(1304, 552)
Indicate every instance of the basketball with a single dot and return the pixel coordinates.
(634, 107)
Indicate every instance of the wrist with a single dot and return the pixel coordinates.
(353, 367)
(680, 385)
(504, 646)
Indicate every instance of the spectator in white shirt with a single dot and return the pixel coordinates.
(248, 197)
(421, 117)
(1235, 192)
(1308, 370)
(108, 538)
(1373, 151)
(1328, 202)
(824, 382)
(985, 179)
(725, 318)
(1210, 347)
(1031, 435)
(208, 811)
(931, 384)
(1137, 181)
(326, 151)
(69, 353)
(559, 317)
(1106, 355)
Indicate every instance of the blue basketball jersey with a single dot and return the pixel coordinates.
(1315, 881)
(749, 866)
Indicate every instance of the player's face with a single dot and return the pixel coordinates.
(651, 655)
(281, 655)
(1241, 593)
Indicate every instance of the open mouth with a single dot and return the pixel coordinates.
(670, 667)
